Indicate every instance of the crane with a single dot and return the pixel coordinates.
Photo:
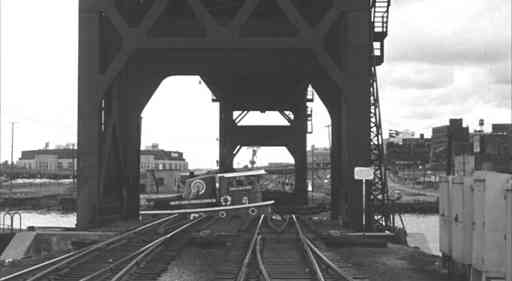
(255, 150)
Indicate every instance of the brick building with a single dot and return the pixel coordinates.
(410, 151)
(490, 152)
(447, 142)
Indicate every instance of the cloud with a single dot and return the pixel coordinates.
(498, 96)
(501, 73)
(455, 32)
(421, 114)
(446, 59)
(420, 76)
(471, 96)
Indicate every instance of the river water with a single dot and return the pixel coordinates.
(425, 224)
(41, 219)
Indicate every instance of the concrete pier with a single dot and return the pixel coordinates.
(41, 243)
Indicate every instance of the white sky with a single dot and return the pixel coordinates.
(443, 59)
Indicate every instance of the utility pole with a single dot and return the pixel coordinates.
(12, 143)
(329, 135)
(312, 170)
(73, 157)
(0, 83)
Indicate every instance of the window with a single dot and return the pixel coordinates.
(160, 181)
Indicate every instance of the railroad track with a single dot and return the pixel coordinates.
(129, 256)
(282, 253)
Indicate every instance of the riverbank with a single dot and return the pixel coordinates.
(414, 200)
(37, 194)
(44, 218)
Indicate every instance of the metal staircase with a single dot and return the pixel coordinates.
(379, 18)
(379, 208)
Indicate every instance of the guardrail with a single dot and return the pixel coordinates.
(4, 224)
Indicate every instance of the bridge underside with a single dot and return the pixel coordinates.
(256, 55)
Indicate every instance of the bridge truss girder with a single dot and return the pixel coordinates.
(126, 51)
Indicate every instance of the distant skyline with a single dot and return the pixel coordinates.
(442, 60)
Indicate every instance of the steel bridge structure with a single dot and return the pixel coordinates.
(254, 55)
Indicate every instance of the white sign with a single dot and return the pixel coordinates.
(363, 173)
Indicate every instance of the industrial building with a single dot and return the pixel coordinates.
(161, 181)
(321, 157)
(502, 128)
(58, 159)
(160, 170)
(490, 152)
(154, 158)
(448, 141)
(64, 158)
(397, 136)
(409, 151)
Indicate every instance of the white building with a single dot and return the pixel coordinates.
(48, 159)
(64, 158)
(398, 136)
(154, 158)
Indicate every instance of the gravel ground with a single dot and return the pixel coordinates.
(195, 264)
(394, 263)
(18, 265)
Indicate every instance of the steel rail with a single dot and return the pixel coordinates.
(93, 276)
(261, 265)
(149, 248)
(68, 255)
(211, 209)
(38, 266)
(278, 229)
(314, 264)
(96, 247)
(327, 262)
(242, 273)
(110, 267)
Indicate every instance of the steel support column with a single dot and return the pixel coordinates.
(226, 145)
(88, 119)
(346, 97)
